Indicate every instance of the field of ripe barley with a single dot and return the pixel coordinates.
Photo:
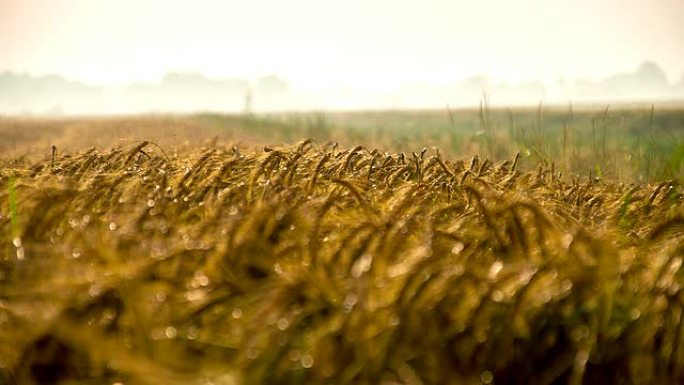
(174, 252)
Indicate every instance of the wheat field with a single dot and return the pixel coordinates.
(237, 261)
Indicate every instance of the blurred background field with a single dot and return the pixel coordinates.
(627, 143)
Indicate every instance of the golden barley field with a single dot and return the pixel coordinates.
(173, 253)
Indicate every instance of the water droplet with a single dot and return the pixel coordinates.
(76, 253)
(94, 290)
(20, 253)
(283, 324)
(635, 314)
(192, 333)
(486, 377)
(278, 269)
(393, 319)
(112, 226)
(170, 332)
(150, 203)
(458, 247)
(566, 285)
(566, 241)
(195, 295)
(199, 280)
(362, 265)
(17, 242)
(497, 296)
(236, 313)
(349, 301)
(495, 269)
(294, 355)
(160, 296)
(307, 361)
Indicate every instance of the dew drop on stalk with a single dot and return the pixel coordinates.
(307, 361)
(192, 333)
(278, 269)
(362, 265)
(486, 377)
(294, 355)
(349, 301)
(94, 290)
(566, 241)
(495, 269)
(458, 247)
(566, 285)
(199, 280)
(283, 324)
(236, 313)
(170, 332)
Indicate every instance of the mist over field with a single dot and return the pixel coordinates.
(22, 93)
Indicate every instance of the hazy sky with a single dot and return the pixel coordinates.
(360, 43)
